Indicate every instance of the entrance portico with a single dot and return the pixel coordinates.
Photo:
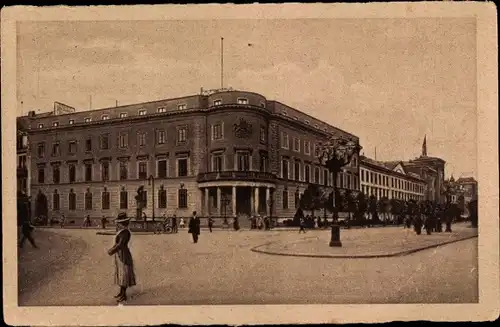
(231, 198)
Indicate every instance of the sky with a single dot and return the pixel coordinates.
(389, 81)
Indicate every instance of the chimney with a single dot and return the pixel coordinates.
(31, 113)
(201, 90)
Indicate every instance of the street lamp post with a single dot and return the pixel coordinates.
(151, 181)
(334, 154)
(270, 203)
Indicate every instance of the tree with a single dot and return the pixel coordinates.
(384, 207)
(397, 209)
(312, 199)
(362, 206)
(372, 207)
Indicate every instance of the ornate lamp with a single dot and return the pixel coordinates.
(334, 154)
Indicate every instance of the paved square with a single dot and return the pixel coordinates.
(72, 268)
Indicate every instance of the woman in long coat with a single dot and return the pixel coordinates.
(124, 265)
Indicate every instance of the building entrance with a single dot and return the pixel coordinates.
(244, 201)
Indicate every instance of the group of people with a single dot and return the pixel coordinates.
(430, 220)
(259, 222)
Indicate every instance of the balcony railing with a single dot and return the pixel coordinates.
(236, 175)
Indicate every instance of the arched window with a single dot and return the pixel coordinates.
(72, 200)
(123, 199)
(297, 199)
(285, 199)
(105, 199)
(162, 198)
(88, 200)
(182, 198)
(55, 200)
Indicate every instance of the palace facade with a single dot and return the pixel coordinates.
(391, 180)
(219, 153)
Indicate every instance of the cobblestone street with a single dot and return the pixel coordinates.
(72, 268)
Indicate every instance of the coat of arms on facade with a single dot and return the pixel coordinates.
(243, 129)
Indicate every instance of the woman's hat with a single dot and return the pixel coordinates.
(122, 217)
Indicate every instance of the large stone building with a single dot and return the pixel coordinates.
(419, 179)
(219, 153)
(391, 180)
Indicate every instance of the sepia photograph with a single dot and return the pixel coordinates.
(230, 159)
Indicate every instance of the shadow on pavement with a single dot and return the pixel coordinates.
(55, 253)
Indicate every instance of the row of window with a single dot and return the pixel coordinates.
(182, 197)
(380, 179)
(123, 167)
(143, 112)
(242, 162)
(105, 142)
(391, 194)
(347, 180)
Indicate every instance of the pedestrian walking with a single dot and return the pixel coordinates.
(210, 223)
(104, 221)
(63, 220)
(448, 220)
(124, 265)
(302, 225)
(174, 224)
(236, 223)
(181, 224)
(26, 230)
(86, 221)
(194, 227)
(417, 224)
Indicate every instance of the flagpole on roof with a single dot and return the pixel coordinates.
(221, 62)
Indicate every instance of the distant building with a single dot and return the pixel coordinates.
(468, 185)
(221, 153)
(419, 179)
(391, 180)
(430, 169)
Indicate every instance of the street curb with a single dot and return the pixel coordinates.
(374, 256)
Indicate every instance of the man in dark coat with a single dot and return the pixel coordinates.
(194, 227)
(210, 223)
(175, 229)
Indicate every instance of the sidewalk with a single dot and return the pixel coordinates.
(366, 243)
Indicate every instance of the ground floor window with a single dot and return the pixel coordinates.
(182, 199)
(88, 200)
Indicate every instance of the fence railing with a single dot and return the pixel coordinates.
(236, 175)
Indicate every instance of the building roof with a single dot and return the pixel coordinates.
(466, 180)
(389, 166)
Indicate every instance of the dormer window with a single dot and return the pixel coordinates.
(123, 115)
(40, 125)
(316, 126)
(184, 106)
(71, 121)
(242, 101)
(162, 109)
(217, 102)
(88, 120)
(284, 113)
(262, 104)
(105, 117)
(55, 124)
(142, 112)
(296, 118)
(307, 122)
